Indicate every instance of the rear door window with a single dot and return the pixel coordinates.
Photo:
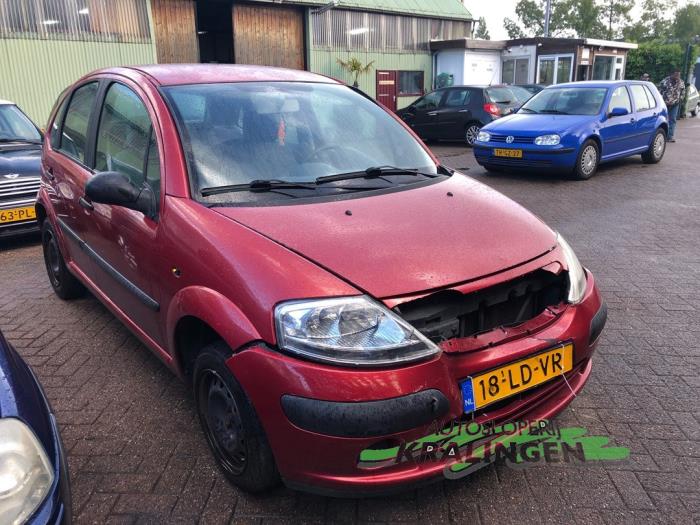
(75, 127)
(651, 97)
(639, 93)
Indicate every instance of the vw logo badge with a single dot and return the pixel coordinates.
(510, 139)
(11, 175)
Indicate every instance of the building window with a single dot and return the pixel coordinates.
(410, 83)
(607, 67)
(515, 71)
(90, 20)
(554, 69)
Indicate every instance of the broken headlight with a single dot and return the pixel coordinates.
(355, 331)
(577, 275)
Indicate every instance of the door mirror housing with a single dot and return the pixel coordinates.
(112, 187)
(618, 112)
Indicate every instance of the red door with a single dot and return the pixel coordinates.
(386, 88)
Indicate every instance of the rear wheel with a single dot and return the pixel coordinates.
(587, 160)
(471, 131)
(657, 148)
(230, 424)
(64, 283)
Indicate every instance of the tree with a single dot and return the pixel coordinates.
(356, 68)
(655, 22)
(615, 13)
(686, 25)
(512, 28)
(481, 30)
(655, 58)
(530, 15)
(583, 18)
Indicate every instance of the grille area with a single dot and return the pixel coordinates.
(516, 139)
(19, 189)
(450, 314)
(519, 163)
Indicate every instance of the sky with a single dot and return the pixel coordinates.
(496, 10)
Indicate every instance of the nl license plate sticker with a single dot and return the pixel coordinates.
(513, 378)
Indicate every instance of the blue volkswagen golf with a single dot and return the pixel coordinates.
(574, 127)
(34, 486)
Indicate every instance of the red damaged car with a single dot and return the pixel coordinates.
(292, 249)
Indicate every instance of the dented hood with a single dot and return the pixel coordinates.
(407, 241)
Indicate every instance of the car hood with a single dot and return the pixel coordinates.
(532, 125)
(407, 241)
(20, 160)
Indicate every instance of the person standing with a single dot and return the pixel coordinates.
(672, 90)
(645, 77)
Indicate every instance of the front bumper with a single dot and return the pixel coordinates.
(541, 157)
(319, 454)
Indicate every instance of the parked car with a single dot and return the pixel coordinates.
(692, 104)
(20, 159)
(35, 486)
(574, 127)
(532, 88)
(459, 112)
(286, 245)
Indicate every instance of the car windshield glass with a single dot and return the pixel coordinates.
(236, 133)
(567, 101)
(14, 125)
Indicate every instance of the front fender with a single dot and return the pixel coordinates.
(214, 309)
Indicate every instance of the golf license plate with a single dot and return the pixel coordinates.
(510, 153)
(17, 214)
(513, 378)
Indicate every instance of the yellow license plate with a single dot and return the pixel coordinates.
(17, 214)
(511, 153)
(516, 377)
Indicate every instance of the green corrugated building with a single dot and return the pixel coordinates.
(46, 44)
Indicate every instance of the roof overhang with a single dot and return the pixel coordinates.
(609, 43)
(468, 43)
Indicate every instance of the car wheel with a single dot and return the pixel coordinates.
(230, 424)
(64, 283)
(657, 148)
(696, 110)
(471, 132)
(587, 160)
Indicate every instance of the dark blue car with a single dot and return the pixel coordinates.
(34, 486)
(574, 127)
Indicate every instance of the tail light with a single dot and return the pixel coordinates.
(492, 109)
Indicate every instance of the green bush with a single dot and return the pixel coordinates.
(657, 59)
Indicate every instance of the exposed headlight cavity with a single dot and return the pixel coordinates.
(355, 331)
(577, 275)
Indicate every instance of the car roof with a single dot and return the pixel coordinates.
(6, 103)
(598, 83)
(179, 74)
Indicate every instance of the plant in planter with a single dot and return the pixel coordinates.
(356, 68)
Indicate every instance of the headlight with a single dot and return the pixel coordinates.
(350, 331)
(483, 136)
(26, 474)
(548, 140)
(577, 275)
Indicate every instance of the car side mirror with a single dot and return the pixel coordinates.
(618, 112)
(112, 187)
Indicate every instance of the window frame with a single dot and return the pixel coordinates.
(422, 83)
(555, 57)
(629, 97)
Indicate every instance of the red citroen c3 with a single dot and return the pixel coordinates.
(291, 248)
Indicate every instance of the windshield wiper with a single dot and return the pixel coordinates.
(528, 109)
(258, 186)
(373, 173)
(554, 112)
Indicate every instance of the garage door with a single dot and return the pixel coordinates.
(268, 36)
(175, 31)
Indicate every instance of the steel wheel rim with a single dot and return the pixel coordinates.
(659, 144)
(472, 133)
(222, 421)
(588, 160)
(52, 258)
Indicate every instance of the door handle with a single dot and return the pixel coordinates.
(633, 119)
(49, 174)
(86, 203)
(432, 113)
(463, 111)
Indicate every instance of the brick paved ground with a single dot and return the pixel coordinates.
(136, 453)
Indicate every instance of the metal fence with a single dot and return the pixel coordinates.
(90, 20)
(357, 31)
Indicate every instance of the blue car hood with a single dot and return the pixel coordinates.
(529, 124)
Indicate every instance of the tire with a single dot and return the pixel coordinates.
(231, 426)
(471, 131)
(64, 283)
(696, 110)
(657, 148)
(587, 160)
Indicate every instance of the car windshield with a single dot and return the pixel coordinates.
(16, 126)
(567, 101)
(237, 133)
(513, 95)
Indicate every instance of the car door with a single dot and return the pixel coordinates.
(617, 132)
(646, 109)
(454, 113)
(422, 115)
(124, 242)
(66, 170)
